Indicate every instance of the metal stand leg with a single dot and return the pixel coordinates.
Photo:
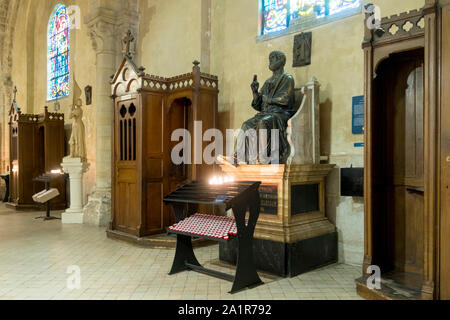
(184, 254)
(246, 275)
(47, 207)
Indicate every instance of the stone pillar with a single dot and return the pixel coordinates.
(75, 168)
(206, 36)
(8, 17)
(106, 30)
(101, 26)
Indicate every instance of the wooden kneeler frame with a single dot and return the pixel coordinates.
(238, 196)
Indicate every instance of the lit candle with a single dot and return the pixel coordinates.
(221, 180)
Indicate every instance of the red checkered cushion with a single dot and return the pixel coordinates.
(207, 225)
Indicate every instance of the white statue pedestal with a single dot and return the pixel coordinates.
(75, 168)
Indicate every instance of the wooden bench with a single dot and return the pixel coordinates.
(238, 196)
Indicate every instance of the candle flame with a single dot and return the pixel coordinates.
(221, 180)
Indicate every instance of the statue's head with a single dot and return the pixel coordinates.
(277, 60)
(79, 102)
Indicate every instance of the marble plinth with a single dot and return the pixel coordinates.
(293, 234)
(75, 168)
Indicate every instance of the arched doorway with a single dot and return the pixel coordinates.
(179, 117)
(397, 151)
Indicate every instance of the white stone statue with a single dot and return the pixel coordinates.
(77, 140)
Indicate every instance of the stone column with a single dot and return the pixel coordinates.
(101, 26)
(106, 30)
(8, 17)
(75, 168)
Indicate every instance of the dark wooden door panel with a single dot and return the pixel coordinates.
(127, 216)
(445, 231)
(180, 113)
(406, 126)
(398, 158)
(444, 243)
(127, 188)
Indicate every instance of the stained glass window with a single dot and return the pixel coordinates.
(278, 14)
(275, 15)
(336, 6)
(58, 54)
(303, 8)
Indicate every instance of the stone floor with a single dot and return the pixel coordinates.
(36, 256)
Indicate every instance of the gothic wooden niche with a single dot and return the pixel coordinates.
(406, 223)
(147, 109)
(302, 49)
(37, 146)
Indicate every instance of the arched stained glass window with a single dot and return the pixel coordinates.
(278, 15)
(58, 54)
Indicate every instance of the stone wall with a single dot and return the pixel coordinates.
(169, 39)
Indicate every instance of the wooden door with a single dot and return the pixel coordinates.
(398, 158)
(29, 163)
(153, 140)
(179, 117)
(444, 237)
(127, 214)
(51, 153)
(406, 185)
(445, 218)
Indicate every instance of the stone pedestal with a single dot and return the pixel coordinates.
(75, 168)
(293, 234)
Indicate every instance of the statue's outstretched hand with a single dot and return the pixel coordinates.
(255, 84)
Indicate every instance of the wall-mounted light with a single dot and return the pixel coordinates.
(15, 168)
(56, 171)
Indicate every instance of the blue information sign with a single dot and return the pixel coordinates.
(358, 115)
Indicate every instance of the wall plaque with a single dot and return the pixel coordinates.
(302, 49)
(358, 115)
(269, 199)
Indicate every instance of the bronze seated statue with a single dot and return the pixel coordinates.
(275, 103)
